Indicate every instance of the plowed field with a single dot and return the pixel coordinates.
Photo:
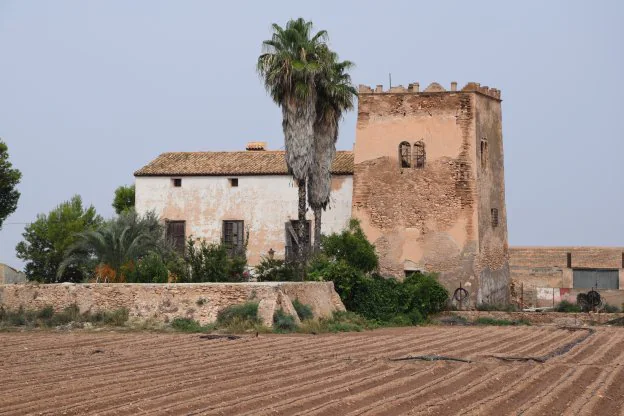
(117, 373)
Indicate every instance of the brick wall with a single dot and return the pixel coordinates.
(536, 268)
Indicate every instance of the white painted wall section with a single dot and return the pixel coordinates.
(264, 203)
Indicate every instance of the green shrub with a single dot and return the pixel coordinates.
(187, 325)
(47, 317)
(565, 306)
(610, 308)
(149, 269)
(385, 299)
(117, 317)
(45, 313)
(344, 276)
(211, 263)
(501, 322)
(352, 247)
(488, 307)
(275, 270)
(246, 311)
(303, 311)
(283, 323)
(346, 322)
(423, 293)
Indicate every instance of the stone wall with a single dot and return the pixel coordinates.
(164, 302)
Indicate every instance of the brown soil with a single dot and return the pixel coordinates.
(116, 373)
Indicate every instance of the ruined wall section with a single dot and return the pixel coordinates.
(418, 219)
(492, 264)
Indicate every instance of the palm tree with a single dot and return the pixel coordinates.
(289, 65)
(118, 243)
(335, 95)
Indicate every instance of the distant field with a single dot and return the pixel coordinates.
(116, 373)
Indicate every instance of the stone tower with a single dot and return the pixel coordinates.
(429, 186)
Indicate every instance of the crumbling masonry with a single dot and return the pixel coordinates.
(428, 184)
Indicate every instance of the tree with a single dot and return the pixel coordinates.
(124, 199)
(291, 61)
(47, 238)
(115, 245)
(335, 95)
(9, 178)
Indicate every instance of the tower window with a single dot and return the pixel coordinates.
(405, 155)
(494, 217)
(419, 155)
(177, 182)
(484, 153)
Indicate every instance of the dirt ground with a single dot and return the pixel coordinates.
(116, 373)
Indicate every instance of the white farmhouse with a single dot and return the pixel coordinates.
(236, 197)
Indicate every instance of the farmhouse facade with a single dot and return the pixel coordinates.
(239, 198)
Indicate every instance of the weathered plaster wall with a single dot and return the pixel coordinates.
(264, 203)
(164, 302)
(429, 219)
(492, 261)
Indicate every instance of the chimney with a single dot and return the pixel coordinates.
(256, 146)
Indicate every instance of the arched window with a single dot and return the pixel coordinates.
(419, 155)
(484, 154)
(405, 155)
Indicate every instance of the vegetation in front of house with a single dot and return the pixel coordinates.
(124, 199)
(307, 80)
(9, 179)
(275, 270)
(46, 317)
(349, 260)
(48, 237)
(204, 262)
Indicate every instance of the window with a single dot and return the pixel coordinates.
(494, 217)
(419, 155)
(292, 241)
(569, 260)
(233, 182)
(177, 182)
(405, 155)
(484, 154)
(175, 234)
(233, 237)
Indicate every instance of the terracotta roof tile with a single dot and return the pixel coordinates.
(231, 163)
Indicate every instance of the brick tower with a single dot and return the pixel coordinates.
(429, 186)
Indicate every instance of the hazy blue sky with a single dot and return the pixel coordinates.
(91, 91)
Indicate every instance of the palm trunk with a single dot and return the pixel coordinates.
(317, 229)
(301, 229)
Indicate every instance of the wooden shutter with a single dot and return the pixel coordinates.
(176, 235)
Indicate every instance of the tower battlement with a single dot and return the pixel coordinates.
(434, 87)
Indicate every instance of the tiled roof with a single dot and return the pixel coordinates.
(231, 163)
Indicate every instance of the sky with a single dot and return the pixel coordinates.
(91, 91)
